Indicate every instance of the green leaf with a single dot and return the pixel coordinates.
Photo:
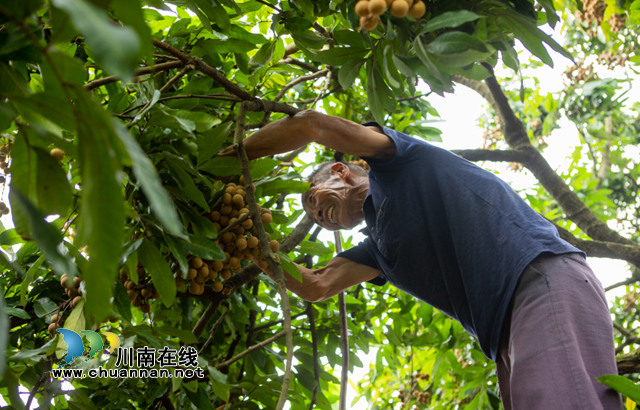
(75, 322)
(147, 175)
(309, 39)
(263, 56)
(46, 235)
(422, 54)
(222, 166)
(122, 302)
(43, 306)
(348, 73)
(339, 56)
(116, 48)
(199, 398)
(202, 225)
(10, 237)
(185, 336)
(4, 336)
(449, 19)
(550, 10)
(180, 256)
(216, 46)
(188, 186)
(621, 384)
(313, 248)
(200, 247)
(455, 42)
(29, 277)
(24, 354)
(290, 267)
(402, 66)
(220, 390)
(262, 166)
(16, 312)
(210, 142)
(53, 189)
(161, 275)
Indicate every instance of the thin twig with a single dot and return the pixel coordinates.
(251, 349)
(213, 331)
(235, 223)
(223, 97)
(277, 322)
(140, 71)
(316, 359)
(344, 336)
(271, 261)
(270, 5)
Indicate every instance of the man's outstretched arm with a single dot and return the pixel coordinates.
(308, 126)
(320, 284)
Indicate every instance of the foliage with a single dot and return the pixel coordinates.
(139, 129)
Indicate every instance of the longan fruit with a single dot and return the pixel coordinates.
(225, 274)
(179, 282)
(238, 254)
(234, 261)
(196, 263)
(218, 226)
(248, 224)
(57, 154)
(362, 8)
(226, 199)
(226, 209)
(199, 279)
(194, 288)
(234, 214)
(140, 271)
(377, 7)
(224, 220)
(389, 2)
(113, 319)
(55, 318)
(73, 292)
(145, 293)
(241, 179)
(241, 244)
(75, 301)
(129, 285)
(238, 200)
(255, 252)
(263, 264)
(123, 275)
(77, 281)
(369, 23)
(241, 192)
(217, 286)
(267, 218)
(238, 230)
(230, 247)
(192, 273)
(243, 211)
(146, 308)
(399, 8)
(228, 237)
(247, 256)
(203, 271)
(275, 246)
(217, 266)
(132, 294)
(232, 219)
(227, 256)
(215, 216)
(417, 10)
(63, 280)
(213, 275)
(252, 242)
(52, 328)
(231, 190)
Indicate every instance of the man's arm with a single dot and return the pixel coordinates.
(308, 126)
(320, 284)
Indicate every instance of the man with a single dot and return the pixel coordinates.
(459, 238)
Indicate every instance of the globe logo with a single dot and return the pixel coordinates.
(75, 345)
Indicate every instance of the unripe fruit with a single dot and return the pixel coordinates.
(241, 244)
(226, 199)
(267, 218)
(399, 8)
(215, 216)
(225, 274)
(196, 263)
(377, 7)
(275, 246)
(179, 282)
(146, 308)
(417, 10)
(217, 286)
(362, 8)
(192, 273)
(253, 242)
(57, 154)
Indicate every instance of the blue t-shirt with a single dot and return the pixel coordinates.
(451, 234)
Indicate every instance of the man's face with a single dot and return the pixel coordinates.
(335, 204)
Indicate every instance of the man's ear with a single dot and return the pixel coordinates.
(340, 169)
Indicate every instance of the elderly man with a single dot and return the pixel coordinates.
(457, 237)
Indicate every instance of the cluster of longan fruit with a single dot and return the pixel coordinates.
(361, 163)
(422, 397)
(72, 289)
(235, 243)
(369, 10)
(4, 164)
(141, 293)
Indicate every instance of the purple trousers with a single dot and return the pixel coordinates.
(558, 339)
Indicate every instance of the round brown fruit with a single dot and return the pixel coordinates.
(231, 190)
(194, 288)
(389, 2)
(145, 293)
(199, 279)
(203, 271)
(248, 224)
(75, 301)
(113, 319)
(57, 154)
(215, 216)
(132, 294)
(52, 328)
(226, 199)
(192, 273)
(196, 263)
(238, 200)
(275, 246)
(362, 8)
(241, 244)
(263, 264)
(255, 252)
(241, 192)
(417, 10)
(212, 275)
(234, 263)
(77, 281)
(225, 274)
(146, 308)
(217, 266)
(179, 282)
(217, 286)
(73, 292)
(241, 179)
(377, 7)
(218, 226)
(267, 218)
(63, 280)
(399, 8)
(227, 255)
(253, 242)
(55, 318)
(226, 209)
(224, 220)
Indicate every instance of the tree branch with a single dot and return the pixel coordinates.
(213, 331)
(316, 359)
(492, 155)
(344, 336)
(140, 71)
(297, 81)
(301, 64)
(251, 349)
(629, 362)
(477, 86)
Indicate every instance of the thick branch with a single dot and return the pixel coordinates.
(344, 336)
(477, 86)
(251, 349)
(301, 64)
(492, 155)
(316, 359)
(140, 71)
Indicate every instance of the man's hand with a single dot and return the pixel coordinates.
(308, 126)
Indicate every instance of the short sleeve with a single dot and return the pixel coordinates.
(403, 143)
(362, 254)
